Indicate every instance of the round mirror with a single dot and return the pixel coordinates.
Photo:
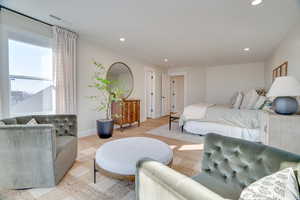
(121, 77)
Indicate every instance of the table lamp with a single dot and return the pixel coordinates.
(285, 89)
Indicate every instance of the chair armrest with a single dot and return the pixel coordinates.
(41, 135)
(157, 181)
(27, 153)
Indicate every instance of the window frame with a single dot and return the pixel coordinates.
(9, 33)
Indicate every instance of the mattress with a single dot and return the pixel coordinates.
(203, 128)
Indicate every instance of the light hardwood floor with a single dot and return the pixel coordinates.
(78, 183)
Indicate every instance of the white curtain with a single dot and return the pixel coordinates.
(64, 66)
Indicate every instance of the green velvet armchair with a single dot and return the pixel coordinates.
(229, 165)
(37, 156)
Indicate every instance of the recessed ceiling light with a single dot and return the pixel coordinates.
(246, 49)
(122, 39)
(166, 60)
(256, 2)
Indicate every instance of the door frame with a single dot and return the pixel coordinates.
(184, 74)
(146, 71)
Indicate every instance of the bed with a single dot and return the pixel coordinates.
(201, 119)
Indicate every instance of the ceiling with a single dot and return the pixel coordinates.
(188, 33)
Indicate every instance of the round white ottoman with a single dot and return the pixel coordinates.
(121, 156)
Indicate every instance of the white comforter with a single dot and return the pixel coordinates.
(209, 116)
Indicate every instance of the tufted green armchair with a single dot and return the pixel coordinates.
(228, 166)
(35, 156)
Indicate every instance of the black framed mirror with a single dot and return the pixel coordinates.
(122, 78)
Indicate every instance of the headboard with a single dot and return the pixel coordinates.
(282, 70)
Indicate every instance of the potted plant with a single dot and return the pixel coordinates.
(107, 95)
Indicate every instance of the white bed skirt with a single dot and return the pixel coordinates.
(203, 128)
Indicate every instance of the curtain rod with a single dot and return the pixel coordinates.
(19, 13)
(32, 18)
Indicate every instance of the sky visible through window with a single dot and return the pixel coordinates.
(31, 61)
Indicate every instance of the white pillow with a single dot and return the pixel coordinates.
(238, 101)
(32, 122)
(281, 185)
(233, 98)
(249, 100)
(260, 102)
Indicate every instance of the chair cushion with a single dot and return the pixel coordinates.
(64, 141)
(227, 191)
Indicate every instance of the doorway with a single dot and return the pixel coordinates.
(177, 93)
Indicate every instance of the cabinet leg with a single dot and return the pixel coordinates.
(139, 123)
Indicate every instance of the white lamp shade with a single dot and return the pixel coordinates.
(285, 86)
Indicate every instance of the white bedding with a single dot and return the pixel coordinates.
(223, 120)
(203, 128)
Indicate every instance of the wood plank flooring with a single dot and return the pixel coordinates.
(78, 183)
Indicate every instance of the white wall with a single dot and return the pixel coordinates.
(196, 83)
(87, 51)
(222, 82)
(288, 50)
(218, 84)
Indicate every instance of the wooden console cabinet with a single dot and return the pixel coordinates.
(128, 112)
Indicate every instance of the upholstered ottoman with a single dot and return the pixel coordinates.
(118, 158)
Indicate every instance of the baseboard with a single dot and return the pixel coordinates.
(86, 133)
(93, 131)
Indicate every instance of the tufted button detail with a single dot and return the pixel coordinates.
(208, 170)
(233, 173)
(245, 167)
(208, 154)
(226, 160)
(216, 165)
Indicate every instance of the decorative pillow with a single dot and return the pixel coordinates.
(260, 102)
(32, 122)
(233, 98)
(2, 123)
(249, 100)
(267, 106)
(238, 100)
(281, 185)
(294, 165)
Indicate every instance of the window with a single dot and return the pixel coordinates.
(30, 79)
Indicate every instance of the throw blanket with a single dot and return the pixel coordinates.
(194, 112)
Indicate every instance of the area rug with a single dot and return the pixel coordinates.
(78, 185)
(175, 133)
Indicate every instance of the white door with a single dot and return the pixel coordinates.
(173, 94)
(177, 93)
(165, 90)
(150, 77)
